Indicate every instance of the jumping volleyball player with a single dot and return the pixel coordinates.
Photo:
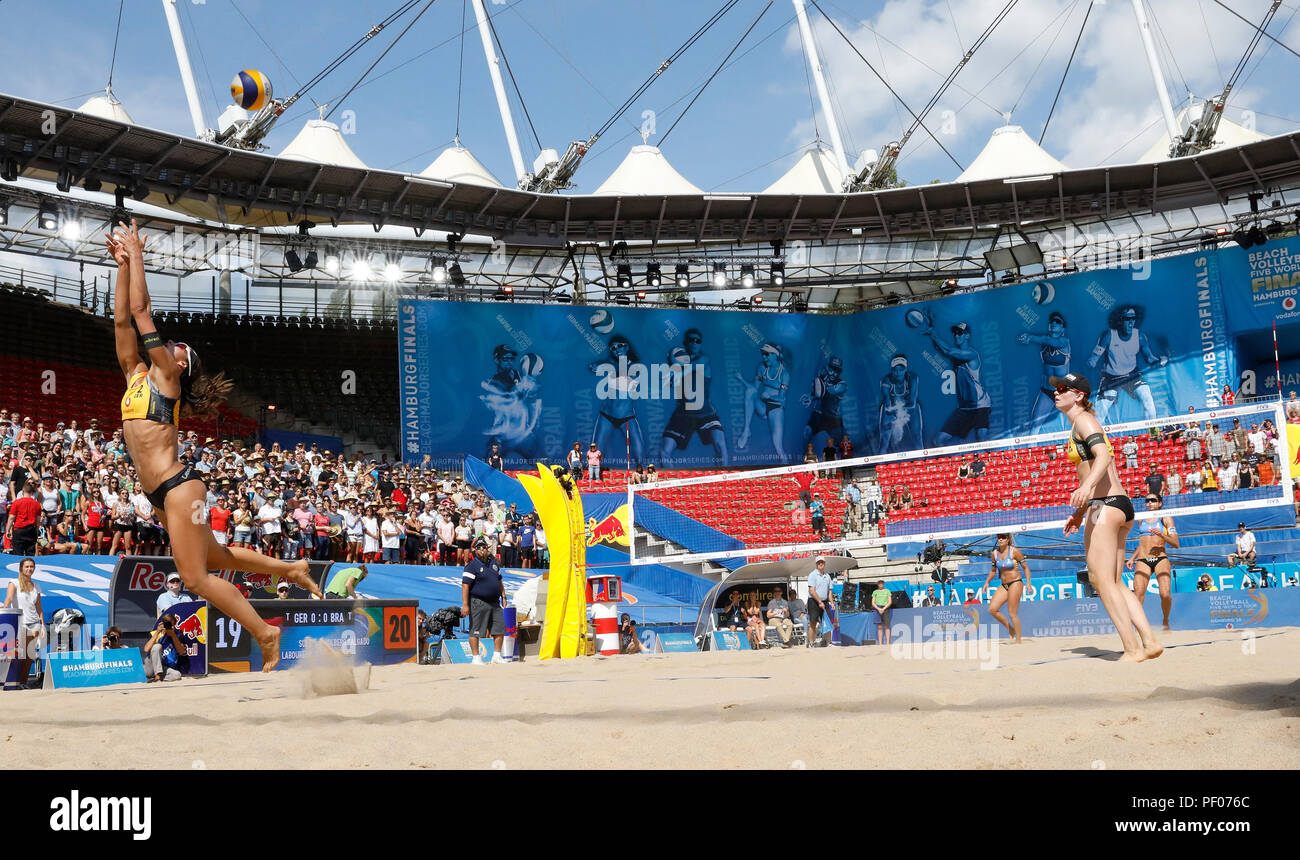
(1101, 503)
(1153, 536)
(1008, 563)
(155, 395)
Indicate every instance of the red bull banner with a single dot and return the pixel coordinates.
(612, 531)
(191, 629)
(138, 581)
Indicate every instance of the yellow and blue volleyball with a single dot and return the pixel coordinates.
(251, 89)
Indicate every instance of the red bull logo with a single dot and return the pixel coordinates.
(612, 530)
(193, 626)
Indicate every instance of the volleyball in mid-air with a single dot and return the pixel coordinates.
(601, 322)
(916, 318)
(251, 89)
(531, 364)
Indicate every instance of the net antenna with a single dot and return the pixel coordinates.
(758, 515)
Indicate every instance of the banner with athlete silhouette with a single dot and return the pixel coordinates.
(687, 388)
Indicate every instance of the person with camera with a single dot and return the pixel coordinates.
(112, 639)
(165, 656)
(1009, 563)
(1205, 583)
(629, 642)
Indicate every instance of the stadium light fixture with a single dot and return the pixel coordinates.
(292, 260)
(799, 306)
(92, 184)
(332, 263)
(311, 259)
(439, 270)
(719, 275)
(743, 304)
(622, 299)
(778, 274)
(653, 274)
(9, 169)
(361, 270)
(747, 275)
(392, 273)
(683, 275)
(682, 302)
(71, 230)
(457, 276)
(47, 218)
(1257, 235)
(758, 300)
(4, 214)
(624, 278)
(640, 295)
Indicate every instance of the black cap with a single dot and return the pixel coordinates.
(1241, 525)
(480, 542)
(1071, 380)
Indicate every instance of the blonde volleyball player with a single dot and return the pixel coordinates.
(1101, 503)
(1009, 563)
(1153, 536)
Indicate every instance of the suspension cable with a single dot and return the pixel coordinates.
(1068, 63)
(519, 95)
(378, 59)
(917, 119)
(112, 65)
(733, 50)
(460, 74)
(717, 16)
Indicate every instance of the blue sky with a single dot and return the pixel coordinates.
(746, 128)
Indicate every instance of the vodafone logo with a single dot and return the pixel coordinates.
(1288, 304)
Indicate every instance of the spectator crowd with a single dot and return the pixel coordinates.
(66, 489)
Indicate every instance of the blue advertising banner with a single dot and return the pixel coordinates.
(724, 640)
(74, 669)
(1261, 285)
(1254, 608)
(676, 643)
(701, 388)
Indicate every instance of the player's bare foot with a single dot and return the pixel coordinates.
(1165, 626)
(1154, 650)
(301, 574)
(270, 645)
(1132, 657)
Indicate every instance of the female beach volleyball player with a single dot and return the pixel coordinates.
(1153, 536)
(765, 397)
(1009, 563)
(1101, 502)
(151, 410)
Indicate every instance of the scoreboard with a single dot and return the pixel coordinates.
(378, 632)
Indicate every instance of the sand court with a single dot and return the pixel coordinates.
(1213, 700)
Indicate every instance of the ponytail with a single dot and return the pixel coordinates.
(200, 397)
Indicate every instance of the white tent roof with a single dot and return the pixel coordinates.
(1009, 153)
(458, 164)
(646, 171)
(321, 141)
(108, 107)
(1228, 134)
(814, 173)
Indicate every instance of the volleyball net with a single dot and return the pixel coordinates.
(1017, 485)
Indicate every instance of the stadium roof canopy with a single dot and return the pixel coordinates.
(320, 141)
(645, 171)
(1011, 153)
(458, 164)
(234, 187)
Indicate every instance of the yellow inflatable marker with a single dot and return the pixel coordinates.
(564, 622)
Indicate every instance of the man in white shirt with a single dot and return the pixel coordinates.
(1130, 452)
(1194, 481)
(1227, 477)
(819, 598)
(1245, 547)
(268, 517)
(872, 498)
(1256, 439)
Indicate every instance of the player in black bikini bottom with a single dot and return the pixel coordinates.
(1119, 503)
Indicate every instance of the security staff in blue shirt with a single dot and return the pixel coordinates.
(483, 598)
